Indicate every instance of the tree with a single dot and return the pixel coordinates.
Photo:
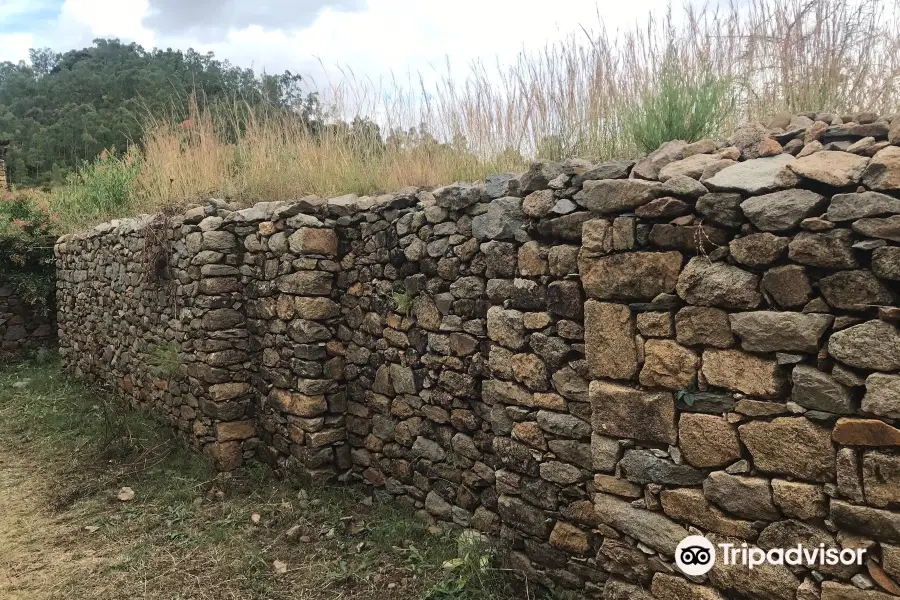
(65, 108)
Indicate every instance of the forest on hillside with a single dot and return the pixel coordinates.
(63, 109)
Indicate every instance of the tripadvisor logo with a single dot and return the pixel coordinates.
(696, 555)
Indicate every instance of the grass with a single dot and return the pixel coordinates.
(188, 532)
(595, 94)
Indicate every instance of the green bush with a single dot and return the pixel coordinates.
(686, 103)
(104, 188)
(26, 250)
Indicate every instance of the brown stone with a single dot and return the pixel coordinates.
(865, 432)
(746, 497)
(531, 371)
(758, 249)
(668, 364)
(743, 372)
(831, 249)
(788, 286)
(831, 167)
(701, 325)
(718, 284)
(620, 411)
(609, 334)
(570, 538)
(883, 172)
(611, 196)
(708, 440)
(855, 290)
(226, 456)
(764, 582)
(669, 587)
(772, 331)
(878, 524)
(235, 430)
(651, 528)
(882, 396)
(310, 240)
(689, 505)
(532, 260)
(530, 433)
(630, 275)
(881, 478)
(790, 446)
(298, 404)
(870, 345)
(655, 324)
(610, 484)
(316, 309)
(832, 590)
(800, 500)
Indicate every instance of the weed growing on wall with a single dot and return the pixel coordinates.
(26, 250)
(680, 105)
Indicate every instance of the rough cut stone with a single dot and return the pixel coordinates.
(746, 497)
(869, 345)
(642, 466)
(769, 331)
(887, 228)
(611, 196)
(832, 249)
(800, 500)
(620, 411)
(708, 440)
(832, 590)
(886, 262)
(756, 176)
(629, 276)
(865, 432)
(743, 372)
(790, 446)
(855, 290)
(878, 524)
(849, 207)
(788, 286)
(503, 220)
(883, 172)
(650, 528)
(782, 211)
(506, 327)
(666, 364)
(816, 390)
(609, 340)
(690, 506)
(701, 325)
(764, 582)
(831, 167)
(669, 587)
(721, 209)
(718, 284)
(882, 396)
(758, 249)
(881, 478)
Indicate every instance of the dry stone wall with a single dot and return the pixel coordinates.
(22, 328)
(586, 361)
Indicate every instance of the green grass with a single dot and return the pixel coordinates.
(188, 532)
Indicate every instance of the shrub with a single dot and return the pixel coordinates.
(26, 250)
(103, 189)
(681, 104)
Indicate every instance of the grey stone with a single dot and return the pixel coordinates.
(882, 396)
(756, 176)
(610, 196)
(650, 528)
(722, 209)
(887, 228)
(831, 249)
(718, 284)
(816, 390)
(855, 290)
(642, 466)
(886, 262)
(770, 331)
(503, 220)
(869, 345)
(746, 497)
(782, 211)
(849, 207)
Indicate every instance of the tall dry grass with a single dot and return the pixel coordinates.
(574, 97)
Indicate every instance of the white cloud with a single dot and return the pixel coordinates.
(399, 37)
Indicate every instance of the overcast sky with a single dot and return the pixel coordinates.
(372, 37)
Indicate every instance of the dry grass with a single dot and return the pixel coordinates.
(187, 534)
(575, 97)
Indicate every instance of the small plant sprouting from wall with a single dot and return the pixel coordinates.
(162, 360)
(404, 301)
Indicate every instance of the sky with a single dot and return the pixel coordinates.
(321, 39)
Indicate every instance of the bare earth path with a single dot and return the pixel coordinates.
(39, 551)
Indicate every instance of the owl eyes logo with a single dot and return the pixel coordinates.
(695, 555)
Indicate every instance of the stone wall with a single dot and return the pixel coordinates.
(21, 328)
(585, 361)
